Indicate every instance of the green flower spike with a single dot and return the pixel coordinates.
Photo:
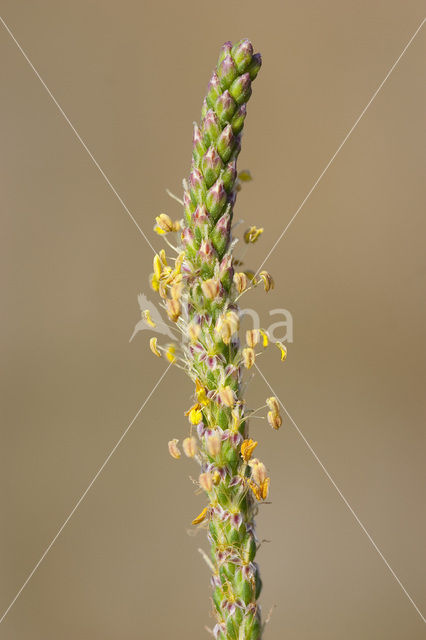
(200, 293)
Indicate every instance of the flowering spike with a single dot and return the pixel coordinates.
(200, 293)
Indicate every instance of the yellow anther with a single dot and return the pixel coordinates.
(264, 488)
(247, 448)
(201, 517)
(265, 337)
(201, 393)
(178, 261)
(154, 282)
(245, 175)
(165, 224)
(153, 347)
(267, 280)
(283, 350)
(147, 317)
(158, 266)
(170, 353)
(195, 415)
(252, 234)
(163, 258)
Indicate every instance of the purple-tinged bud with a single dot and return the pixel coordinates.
(206, 251)
(237, 121)
(211, 127)
(197, 185)
(226, 72)
(255, 64)
(229, 175)
(223, 225)
(237, 147)
(204, 108)
(200, 216)
(220, 234)
(216, 199)
(225, 50)
(211, 165)
(225, 107)
(242, 52)
(198, 146)
(188, 206)
(225, 143)
(226, 270)
(187, 236)
(213, 90)
(240, 89)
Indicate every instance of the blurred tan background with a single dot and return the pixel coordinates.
(131, 77)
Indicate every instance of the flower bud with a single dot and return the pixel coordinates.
(211, 127)
(194, 331)
(225, 107)
(226, 71)
(216, 199)
(211, 165)
(237, 122)
(200, 216)
(198, 146)
(229, 175)
(210, 288)
(173, 309)
(225, 50)
(206, 251)
(255, 64)
(242, 53)
(213, 90)
(189, 446)
(241, 281)
(206, 481)
(225, 143)
(197, 184)
(252, 337)
(240, 89)
(173, 448)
